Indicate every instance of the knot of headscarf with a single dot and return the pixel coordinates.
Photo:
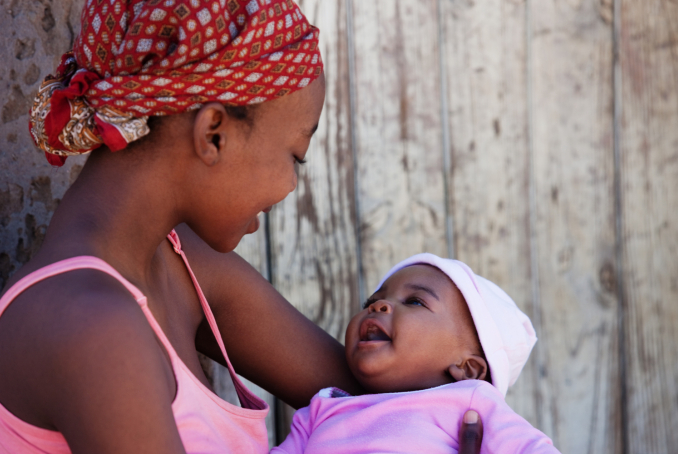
(137, 58)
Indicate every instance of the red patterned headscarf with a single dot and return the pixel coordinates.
(137, 58)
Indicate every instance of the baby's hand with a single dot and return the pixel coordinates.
(470, 433)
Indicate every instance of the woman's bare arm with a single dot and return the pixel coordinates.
(267, 339)
(270, 342)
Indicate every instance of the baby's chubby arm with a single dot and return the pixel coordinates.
(504, 430)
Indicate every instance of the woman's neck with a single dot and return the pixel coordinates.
(116, 211)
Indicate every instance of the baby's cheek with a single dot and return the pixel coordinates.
(352, 330)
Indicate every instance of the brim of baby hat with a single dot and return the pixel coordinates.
(475, 289)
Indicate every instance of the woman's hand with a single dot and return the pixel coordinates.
(470, 433)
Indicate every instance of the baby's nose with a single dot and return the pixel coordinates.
(381, 306)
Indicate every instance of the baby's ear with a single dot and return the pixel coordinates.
(471, 367)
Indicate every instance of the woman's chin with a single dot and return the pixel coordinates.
(225, 241)
(253, 226)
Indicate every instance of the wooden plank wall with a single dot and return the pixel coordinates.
(313, 231)
(485, 57)
(648, 171)
(538, 142)
(574, 231)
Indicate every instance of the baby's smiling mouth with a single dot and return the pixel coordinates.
(372, 331)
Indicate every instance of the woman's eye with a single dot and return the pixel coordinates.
(300, 161)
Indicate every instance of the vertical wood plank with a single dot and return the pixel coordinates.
(313, 231)
(485, 60)
(398, 135)
(649, 197)
(572, 151)
(313, 238)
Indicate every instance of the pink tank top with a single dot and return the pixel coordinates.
(207, 424)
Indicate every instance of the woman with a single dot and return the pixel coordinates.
(99, 333)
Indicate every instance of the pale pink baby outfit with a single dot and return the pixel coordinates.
(207, 424)
(426, 421)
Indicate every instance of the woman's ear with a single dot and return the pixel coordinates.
(471, 367)
(209, 132)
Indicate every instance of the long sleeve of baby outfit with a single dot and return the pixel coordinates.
(295, 443)
(504, 431)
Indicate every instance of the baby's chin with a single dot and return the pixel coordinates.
(380, 372)
(388, 386)
(383, 380)
(386, 382)
(374, 381)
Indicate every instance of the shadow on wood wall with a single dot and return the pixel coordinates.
(535, 140)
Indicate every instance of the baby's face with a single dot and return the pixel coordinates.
(411, 331)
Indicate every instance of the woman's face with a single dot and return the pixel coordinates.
(258, 165)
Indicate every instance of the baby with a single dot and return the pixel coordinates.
(434, 341)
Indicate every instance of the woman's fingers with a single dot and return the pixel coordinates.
(471, 433)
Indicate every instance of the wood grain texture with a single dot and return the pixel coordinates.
(398, 133)
(485, 61)
(313, 231)
(649, 196)
(313, 239)
(572, 150)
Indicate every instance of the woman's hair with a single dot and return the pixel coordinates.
(242, 113)
(246, 114)
(238, 112)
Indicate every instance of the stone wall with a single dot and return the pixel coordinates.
(33, 36)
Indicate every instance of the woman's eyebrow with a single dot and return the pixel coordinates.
(423, 288)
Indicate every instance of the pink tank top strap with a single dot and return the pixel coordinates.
(247, 399)
(79, 263)
(63, 266)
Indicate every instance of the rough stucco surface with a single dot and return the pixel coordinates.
(33, 36)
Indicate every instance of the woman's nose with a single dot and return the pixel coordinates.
(380, 306)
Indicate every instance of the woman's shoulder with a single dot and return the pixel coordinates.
(71, 312)
(67, 297)
(71, 331)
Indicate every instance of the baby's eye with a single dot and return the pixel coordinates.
(415, 302)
